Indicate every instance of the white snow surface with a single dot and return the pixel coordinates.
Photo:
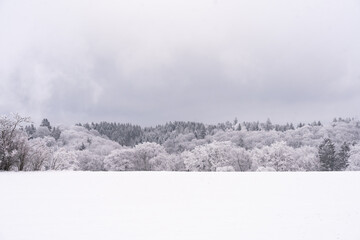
(179, 205)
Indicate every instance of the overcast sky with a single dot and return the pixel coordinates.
(152, 61)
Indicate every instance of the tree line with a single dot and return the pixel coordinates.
(179, 146)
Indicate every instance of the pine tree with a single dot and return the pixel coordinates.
(327, 155)
(268, 125)
(55, 133)
(342, 157)
(45, 123)
(235, 121)
(30, 130)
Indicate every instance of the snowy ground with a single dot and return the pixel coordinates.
(124, 205)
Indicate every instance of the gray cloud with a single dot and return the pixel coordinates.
(149, 62)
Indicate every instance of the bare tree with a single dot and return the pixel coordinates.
(23, 152)
(9, 131)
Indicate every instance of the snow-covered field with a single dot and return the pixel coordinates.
(169, 205)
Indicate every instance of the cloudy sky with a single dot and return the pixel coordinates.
(152, 61)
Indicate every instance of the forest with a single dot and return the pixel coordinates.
(180, 146)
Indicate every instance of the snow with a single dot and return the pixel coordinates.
(179, 205)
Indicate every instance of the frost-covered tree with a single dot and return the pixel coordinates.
(327, 155)
(281, 156)
(63, 160)
(30, 129)
(306, 159)
(241, 159)
(354, 158)
(268, 125)
(73, 137)
(342, 157)
(23, 152)
(235, 121)
(181, 143)
(45, 123)
(89, 161)
(55, 133)
(120, 160)
(145, 152)
(9, 139)
(252, 126)
(42, 132)
(300, 125)
(166, 162)
(278, 156)
(183, 146)
(39, 155)
(202, 158)
(211, 156)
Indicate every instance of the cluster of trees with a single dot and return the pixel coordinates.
(179, 146)
(131, 135)
(330, 159)
(17, 150)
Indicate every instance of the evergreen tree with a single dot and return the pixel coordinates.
(300, 125)
(235, 121)
(45, 123)
(55, 133)
(30, 130)
(342, 157)
(268, 125)
(327, 155)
